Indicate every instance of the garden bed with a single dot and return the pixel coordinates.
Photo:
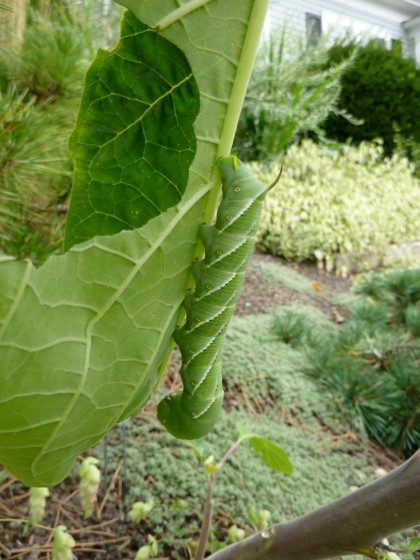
(139, 461)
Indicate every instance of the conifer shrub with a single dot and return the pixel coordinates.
(290, 326)
(371, 365)
(381, 87)
(35, 176)
(41, 81)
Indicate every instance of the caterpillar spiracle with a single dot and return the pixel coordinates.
(228, 244)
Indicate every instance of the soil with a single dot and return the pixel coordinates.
(111, 535)
(262, 296)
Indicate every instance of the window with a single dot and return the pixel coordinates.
(313, 29)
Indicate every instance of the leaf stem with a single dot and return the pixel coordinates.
(237, 96)
(246, 63)
(229, 452)
(180, 12)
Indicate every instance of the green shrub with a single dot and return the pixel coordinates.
(382, 87)
(399, 290)
(52, 62)
(408, 147)
(348, 201)
(371, 365)
(35, 176)
(412, 319)
(291, 92)
(40, 87)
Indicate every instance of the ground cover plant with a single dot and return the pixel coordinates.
(346, 202)
(87, 335)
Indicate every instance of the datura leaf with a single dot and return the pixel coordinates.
(134, 140)
(84, 338)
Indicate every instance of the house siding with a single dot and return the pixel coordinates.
(379, 19)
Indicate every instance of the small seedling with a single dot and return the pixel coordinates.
(140, 510)
(149, 550)
(90, 477)
(270, 453)
(63, 544)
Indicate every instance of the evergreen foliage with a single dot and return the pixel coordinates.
(290, 327)
(35, 176)
(40, 86)
(381, 87)
(371, 364)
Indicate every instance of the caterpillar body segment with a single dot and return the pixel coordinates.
(192, 412)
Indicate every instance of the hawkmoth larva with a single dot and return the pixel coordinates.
(192, 412)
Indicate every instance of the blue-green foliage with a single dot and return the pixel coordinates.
(386, 100)
(291, 93)
(371, 364)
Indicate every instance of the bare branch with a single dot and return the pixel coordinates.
(351, 525)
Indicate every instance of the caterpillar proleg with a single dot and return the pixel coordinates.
(192, 412)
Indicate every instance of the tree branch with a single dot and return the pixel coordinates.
(353, 524)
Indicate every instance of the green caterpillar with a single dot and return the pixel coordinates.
(192, 412)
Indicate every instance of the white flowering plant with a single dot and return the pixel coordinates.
(343, 201)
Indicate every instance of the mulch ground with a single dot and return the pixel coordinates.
(261, 296)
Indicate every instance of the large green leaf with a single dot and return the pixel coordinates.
(134, 139)
(83, 339)
(126, 163)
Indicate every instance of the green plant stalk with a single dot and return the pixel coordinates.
(208, 507)
(207, 519)
(353, 524)
(231, 449)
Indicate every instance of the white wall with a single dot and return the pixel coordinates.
(382, 19)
